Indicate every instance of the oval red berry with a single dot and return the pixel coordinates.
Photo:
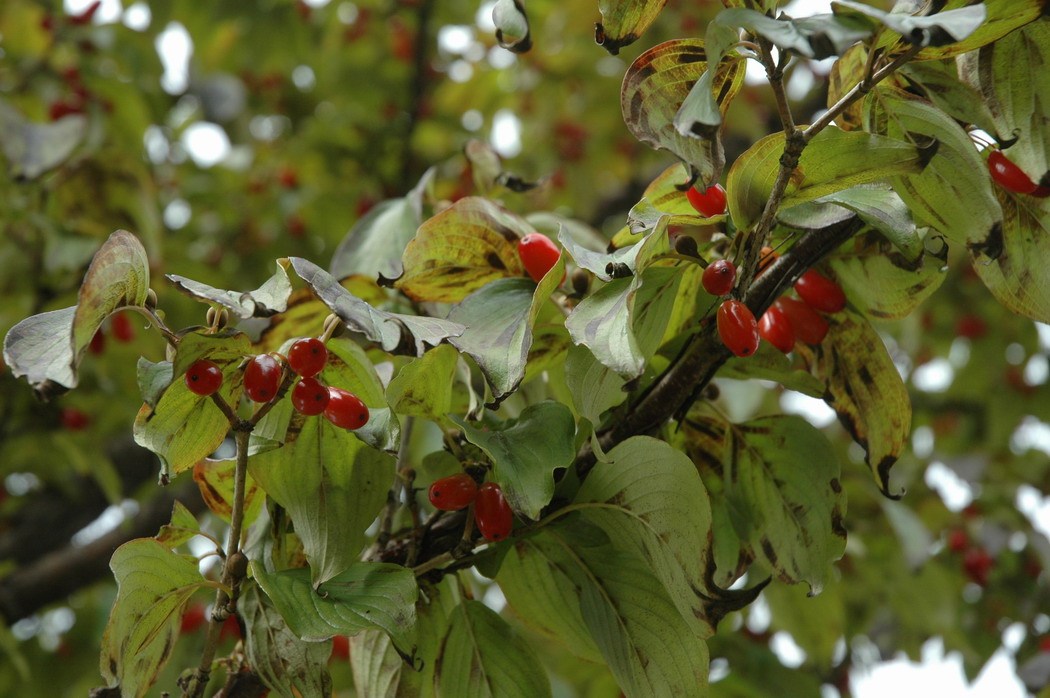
(203, 377)
(538, 254)
(310, 396)
(73, 419)
(710, 202)
(121, 328)
(345, 409)
(808, 324)
(775, 327)
(820, 293)
(1008, 175)
(307, 356)
(492, 514)
(453, 493)
(737, 328)
(262, 378)
(718, 277)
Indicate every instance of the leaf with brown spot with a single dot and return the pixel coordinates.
(455, 252)
(214, 478)
(864, 388)
(624, 21)
(886, 285)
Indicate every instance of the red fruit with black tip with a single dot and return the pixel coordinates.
(262, 378)
(307, 356)
(718, 277)
(203, 377)
(808, 324)
(310, 396)
(775, 327)
(538, 254)
(492, 514)
(453, 493)
(1008, 175)
(820, 293)
(345, 409)
(710, 202)
(738, 328)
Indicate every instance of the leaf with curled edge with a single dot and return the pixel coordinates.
(512, 25)
(267, 300)
(657, 85)
(470, 243)
(624, 21)
(47, 348)
(865, 390)
(948, 26)
(393, 332)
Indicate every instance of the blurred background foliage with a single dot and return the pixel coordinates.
(226, 134)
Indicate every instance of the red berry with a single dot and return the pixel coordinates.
(262, 378)
(971, 326)
(340, 648)
(775, 327)
(310, 396)
(538, 254)
(1044, 643)
(977, 563)
(718, 277)
(192, 619)
(98, 342)
(121, 328)
(85, 16)
(73, 419)
(230, 628)
(345, 409)
(453, 493)
(737, 328)
(203, 377)
(308, 356)
(288, 178)
(710, 202)
(820, 293)
(492, 514)
(958, 541)
(1008, 175)
(809, 326)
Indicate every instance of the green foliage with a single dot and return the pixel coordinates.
(657, 485)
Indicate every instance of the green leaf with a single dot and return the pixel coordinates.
(47, 348)
(526, 451)
(1003, 17)
(649, 500)
(286, 665)
(153, 585)
(533, 579)
(364, 596)
(645, 641)
(31, 148)
(783, 494)
(623, 322)
(375, 243)
(215, 479)
(482, 656)
(512, 25)
(834, 160)
(885, 284)
(391, 331)
(1024, 238)
(332, 485)
(939, 82)
(953, 192)
(864, 388)
(659, 83)
(938, 29)
(153, 379)
(623, 21)
(1017, 99)
(182, 528)
(469, 244)
(595, 387)
(227, 348)
(267, 300)
(768, 363)
(818, 36)
(423, 387)
(349, 368)
(499, 319)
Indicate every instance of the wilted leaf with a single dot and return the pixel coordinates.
(267, 300)
(1003, 16)
(938, 29)
(865, 390)
(526, 451)
(623, 21)
(482, 656)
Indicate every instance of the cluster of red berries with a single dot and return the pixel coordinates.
(1011, 177)
(263, 376)
(788, 320)
(538, 255)
(492, 514)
